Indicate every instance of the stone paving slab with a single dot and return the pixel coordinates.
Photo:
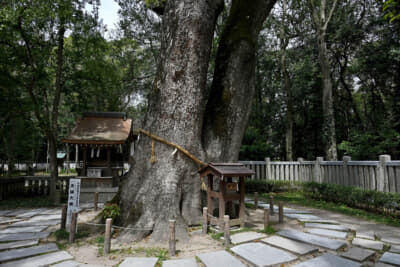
(5, 212)
(246, 237)
(302, 216)
(219, 259)
(35, 223)
(262, 255)
(391, 258)
(180, 263)
(13, 213)
(328, 233)
(366, 243)
(139, 262)
(328, 260)
(73, 264)
(23, 236)
(391, 240)
(45, 217)
(285, 210)
(39, 261)
(27, 229)
(31, 213)
(6, 220)
(18, 244)
(318, 221)
(326, 226)
(290, 245)
(381, 264)
(358, 254)
(313, 239)
(395, 249)
(366, 235)
(16, 254)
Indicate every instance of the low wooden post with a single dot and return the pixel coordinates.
(227, 237)
(172, 244)
(256, 199)
(205, 220)
(266, 218)
(63, 217)
(96, 200)
(107, 236)
(72, 227)
(271, 205)
(280, 212)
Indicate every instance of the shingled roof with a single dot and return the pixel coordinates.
(101, 128)
(226, 169)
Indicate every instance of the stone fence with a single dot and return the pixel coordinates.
(382, 175)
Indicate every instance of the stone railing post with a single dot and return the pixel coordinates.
(268, 172)
(346, 175)
(317, 170)
(300, 176)
(382, 178)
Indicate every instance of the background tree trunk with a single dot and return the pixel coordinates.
(321, 19)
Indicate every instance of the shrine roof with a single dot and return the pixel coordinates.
(226, 169)
(101, 128)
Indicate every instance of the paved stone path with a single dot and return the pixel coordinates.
(321, 241)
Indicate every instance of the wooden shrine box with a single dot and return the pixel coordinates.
(221, 185)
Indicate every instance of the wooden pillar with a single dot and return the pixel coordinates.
(280, 212)
(63, 217)
(107, 236)
(84, 161)
(72, 227)
(241, 201)
(96, 200)
(227, 237)
(256, 200)
(210, 203)
(205, 220)
(109, 160)
(266, 218)
(222, 192)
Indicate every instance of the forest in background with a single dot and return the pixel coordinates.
(56, 63)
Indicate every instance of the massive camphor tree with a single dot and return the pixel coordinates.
(209, 122)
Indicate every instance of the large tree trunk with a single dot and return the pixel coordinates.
(170, 187)
(327, 101)
(233, 86)
(53, 165)
(163, 184)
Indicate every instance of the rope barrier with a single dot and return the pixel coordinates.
(119, 227)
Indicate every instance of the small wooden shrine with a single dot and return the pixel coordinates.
(225, 182)
(103, 142)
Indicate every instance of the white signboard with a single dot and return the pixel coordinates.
(73, 199)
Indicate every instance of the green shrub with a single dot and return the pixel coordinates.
(111, 211)
(354, 197)
(267, 186)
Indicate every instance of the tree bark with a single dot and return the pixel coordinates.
(233, 86)
(163, 184)
(284, 41)
(327, 101)
(169, 188)
(321, 20)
